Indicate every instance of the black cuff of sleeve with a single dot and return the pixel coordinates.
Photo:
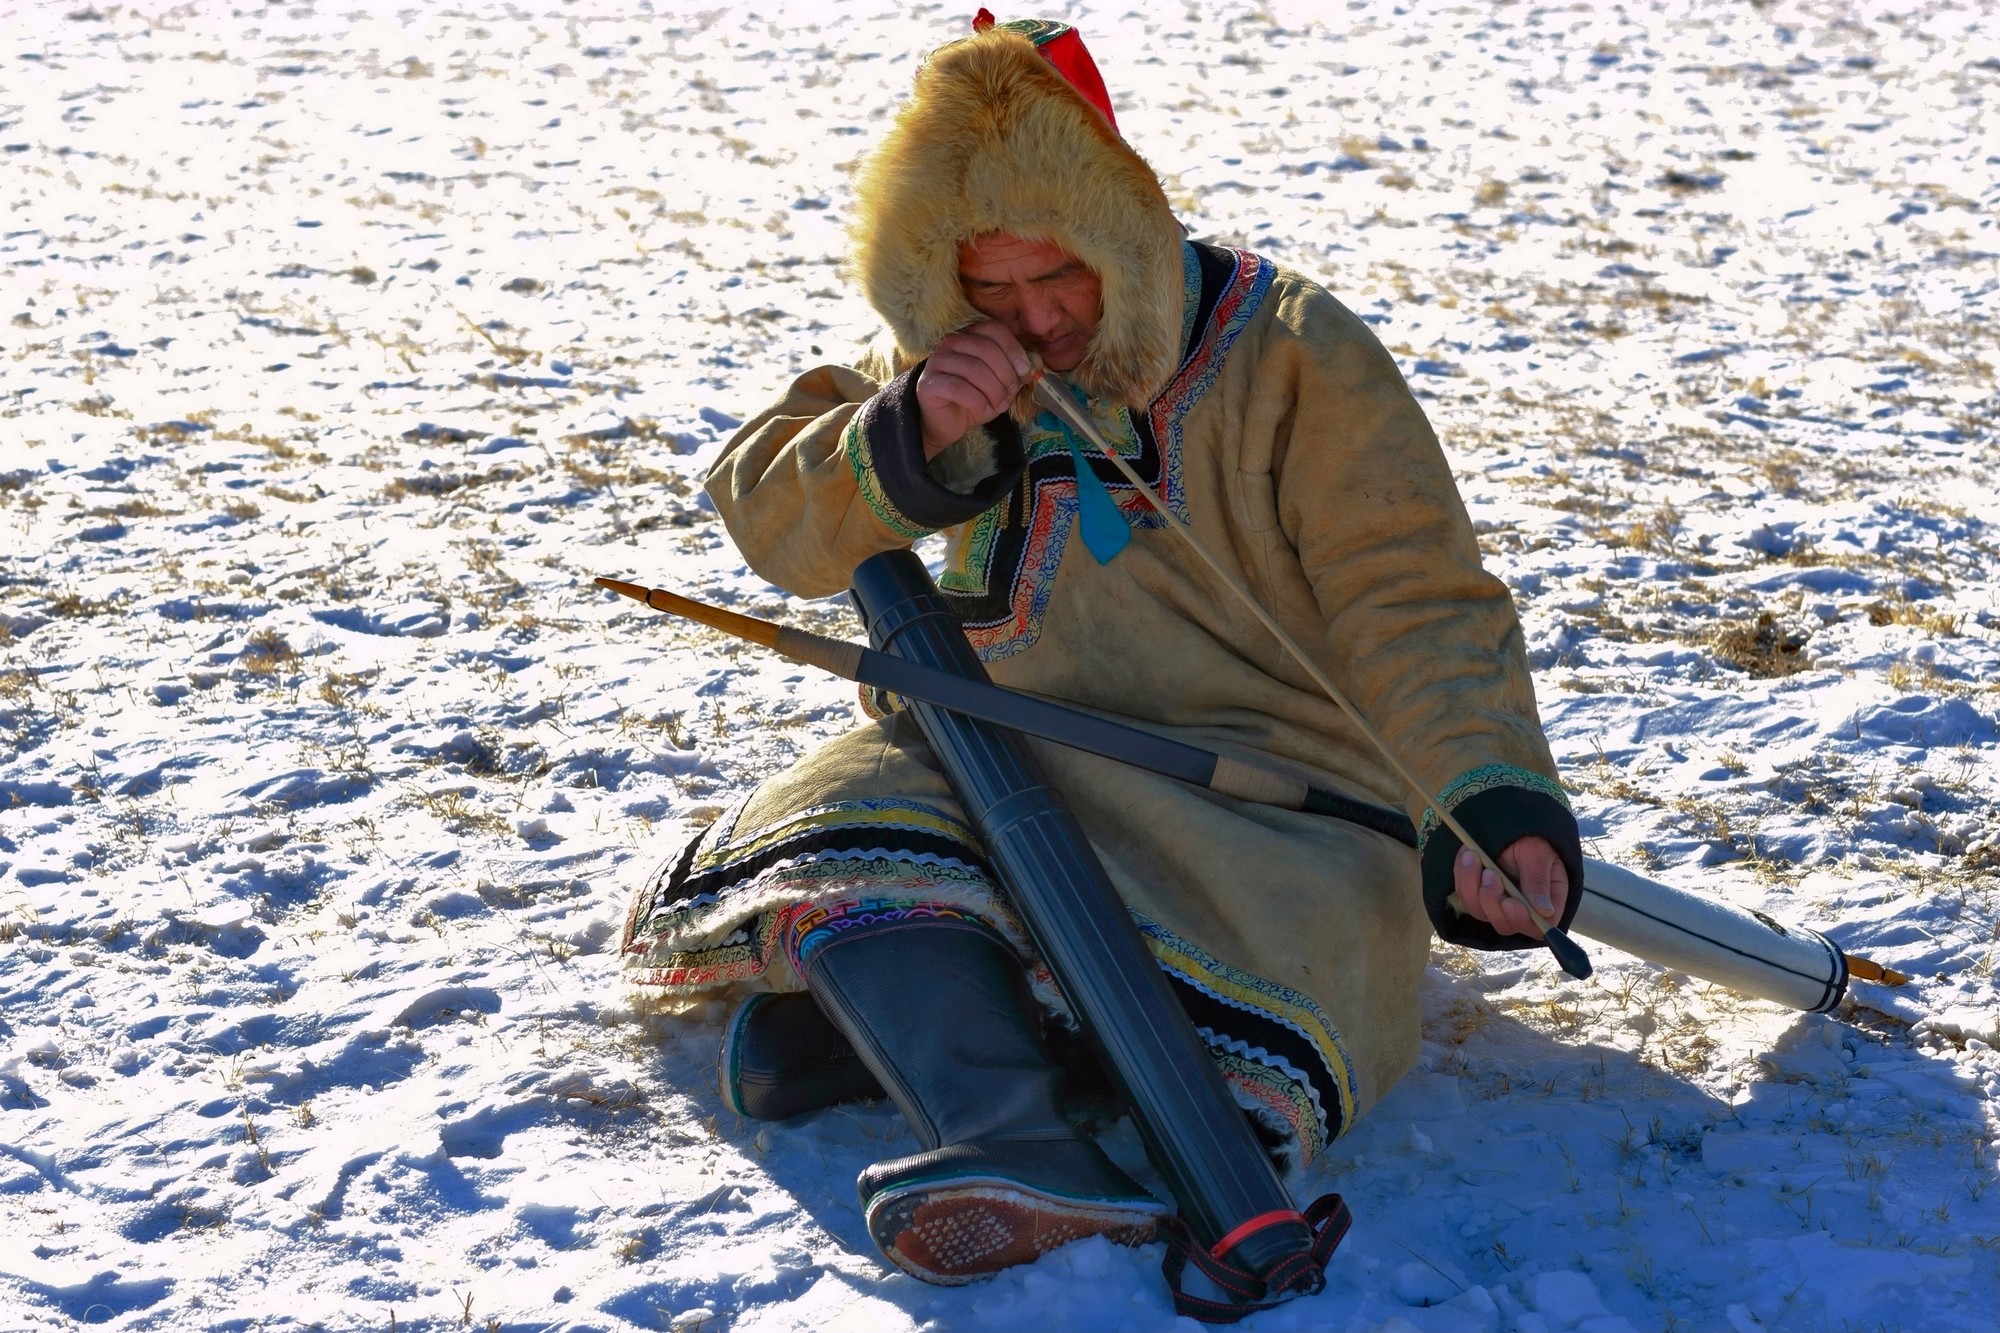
(895, 429)
(1495, 818)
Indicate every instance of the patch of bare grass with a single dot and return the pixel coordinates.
(267, 653)
(1903, 612)
(339, 688)
(1924, 678)
(1763, 648)
(73, 605)
(101, 406)
(130, 509)
(438, 484)
(449, 806)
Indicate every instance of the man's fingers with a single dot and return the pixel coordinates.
(1507, 908)
(1007, 361)
(1003, 340)
(1465, 879)
(978, 346)
(1548, 898)
(1558, 891)
(1539, 873)
(971, 376)
(1533, 877)
(1487, 898)
(1501, 910)
(957, 400)
(944, 391)
(1535, 866)
(975, 373)
(1478, 890)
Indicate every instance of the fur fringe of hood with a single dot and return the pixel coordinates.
(993, 139)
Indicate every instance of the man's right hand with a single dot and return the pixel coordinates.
(972, 377)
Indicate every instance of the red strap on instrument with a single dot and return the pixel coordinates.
(1296, 1275)
(1252, 1227)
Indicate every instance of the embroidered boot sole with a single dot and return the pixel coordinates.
(968, 1229)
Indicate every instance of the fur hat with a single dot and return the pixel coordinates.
(994, 138)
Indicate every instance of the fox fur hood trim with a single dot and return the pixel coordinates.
(993, 139)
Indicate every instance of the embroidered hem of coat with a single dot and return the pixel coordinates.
(806, 928)
(711, 916)
(1277, 1049)
(1483, 779)
(1001, 567)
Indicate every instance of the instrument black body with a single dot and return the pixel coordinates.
(1196, 1134)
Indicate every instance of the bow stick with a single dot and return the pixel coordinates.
(1227, 775)
(1051, 392)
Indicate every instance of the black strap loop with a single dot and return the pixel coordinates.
(1296, 1275)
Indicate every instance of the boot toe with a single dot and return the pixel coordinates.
(965, 1212)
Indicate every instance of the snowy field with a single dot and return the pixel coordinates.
(340, 352)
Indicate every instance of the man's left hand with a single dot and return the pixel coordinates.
(1536, 870)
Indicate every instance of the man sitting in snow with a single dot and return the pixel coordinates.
(1004, 215)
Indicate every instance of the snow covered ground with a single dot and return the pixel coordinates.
(341, 351)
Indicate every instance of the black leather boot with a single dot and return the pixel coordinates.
(940, 1012)
(781, 1058)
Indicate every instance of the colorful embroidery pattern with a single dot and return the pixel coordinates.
(1039, 31)
(1001, 568)
(809, 927)
(997, 540)
(712, 915)
(1241, 297)
(1484, 779)
(735, 902)
(1190, 293)
(861, 458)
(910, 827)
(1287, 1058)
(1278, 1097)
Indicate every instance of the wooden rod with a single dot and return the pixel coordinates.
(1063, 724)
(729, 622)
(1869, 970)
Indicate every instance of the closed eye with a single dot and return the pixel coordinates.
(1066, 272)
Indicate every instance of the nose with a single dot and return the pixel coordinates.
(1040, 313)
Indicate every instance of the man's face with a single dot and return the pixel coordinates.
(1044, 295)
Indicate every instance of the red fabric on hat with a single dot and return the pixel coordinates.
(1071, 59)
(1068, 54)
